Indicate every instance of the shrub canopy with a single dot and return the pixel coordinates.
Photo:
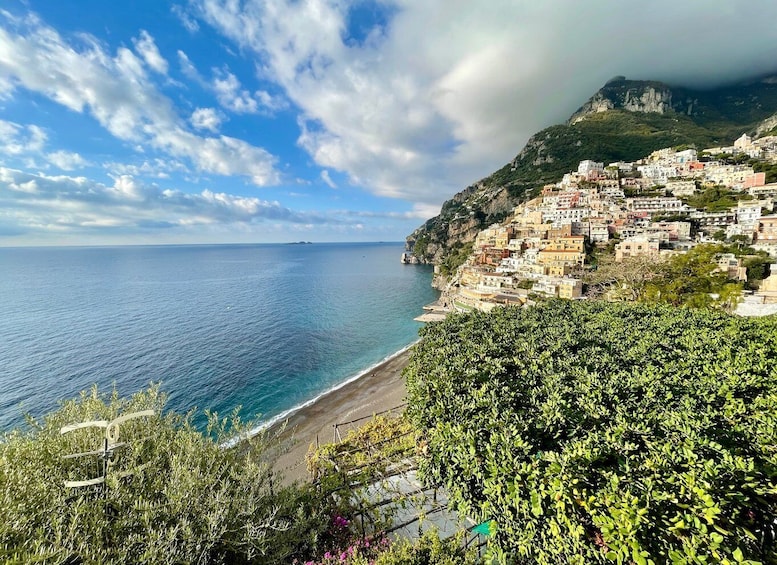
(174, 495)
(594, 432)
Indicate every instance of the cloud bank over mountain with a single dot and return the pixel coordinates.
(425, 96)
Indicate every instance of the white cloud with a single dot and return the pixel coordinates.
(147, 49)
(63, 203)
(186, 20)
(118, 92)
(231, 95)
(206, 118)
(17, 139)
(327, 179)
(270, 102)
(230, 92)
(424, 211)
(188, 68)
(154, 168)
(445, 92)
(66, 160)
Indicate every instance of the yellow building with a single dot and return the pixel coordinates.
(570, 288)
(565, 243)
(636, 247)
(562, 256)
(766, 230)
(496, 237)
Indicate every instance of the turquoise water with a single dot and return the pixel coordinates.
(265, 327)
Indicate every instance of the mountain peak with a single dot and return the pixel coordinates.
(630, 95)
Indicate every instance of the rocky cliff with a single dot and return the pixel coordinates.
(632, 96)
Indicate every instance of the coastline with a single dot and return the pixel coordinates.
(378, 388)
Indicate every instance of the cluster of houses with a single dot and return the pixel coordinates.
(640, 208)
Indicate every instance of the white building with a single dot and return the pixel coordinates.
(636, 247)
(623, 166)
(656, 204)
(657, 172)
(748, 213)
(728, 175)
(686, 156)
(564, 216)
(590, 169)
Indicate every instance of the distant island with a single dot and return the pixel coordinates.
(300, 243)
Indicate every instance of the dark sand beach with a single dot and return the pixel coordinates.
(380, 389)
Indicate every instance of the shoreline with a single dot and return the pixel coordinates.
(376, 389)
(286, 414)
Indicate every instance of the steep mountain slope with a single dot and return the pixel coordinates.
(624, 120)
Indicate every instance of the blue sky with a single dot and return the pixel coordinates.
(325, 120)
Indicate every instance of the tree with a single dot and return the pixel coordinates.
(689, 279)
(175, 495)
(692, 279)
(624, 281)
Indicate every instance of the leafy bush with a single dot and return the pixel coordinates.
(186, 498)
(715, 199)
(594, 432)
(429, 549)
(365, 451)
(689, 279)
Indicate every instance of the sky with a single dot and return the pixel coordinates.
(253, 121)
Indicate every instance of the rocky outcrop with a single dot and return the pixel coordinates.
(598, 103)
(459, 222)
(649, 100)
(766, 126)
(632, 96)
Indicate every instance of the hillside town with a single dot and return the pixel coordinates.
(666, 203)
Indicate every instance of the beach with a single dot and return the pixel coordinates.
(380, 389)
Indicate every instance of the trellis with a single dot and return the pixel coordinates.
(393, 483)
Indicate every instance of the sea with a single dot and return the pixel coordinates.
(268, 328)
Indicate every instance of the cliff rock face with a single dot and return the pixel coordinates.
(766, 126)
(460, 220)
(649, 100)
(632, 96)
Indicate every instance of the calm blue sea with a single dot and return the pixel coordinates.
(266, 327)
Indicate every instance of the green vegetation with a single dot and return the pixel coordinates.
(428, 550)
(594, 432)
(419, 249)
(769, 168)
(184, 496)
(715, 199)
(693, 280)
(689, 279)
(176, 495)
(757, 265)
(458, 254)
(364, 452)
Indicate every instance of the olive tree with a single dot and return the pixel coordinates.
(173, 493)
